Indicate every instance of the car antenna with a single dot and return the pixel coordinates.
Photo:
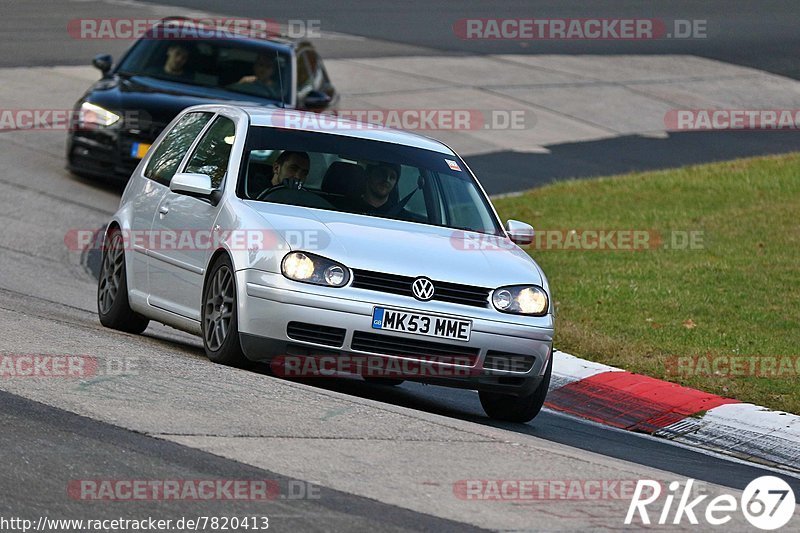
(280, 77)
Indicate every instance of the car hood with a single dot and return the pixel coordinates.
(159, 100)
(403, 248)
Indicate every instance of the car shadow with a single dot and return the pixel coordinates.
(507, 171)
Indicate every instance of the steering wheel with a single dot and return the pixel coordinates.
(290, 184)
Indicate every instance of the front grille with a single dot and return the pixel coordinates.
(315, 333)
(414, 348)
(508, 362)
(443, 291)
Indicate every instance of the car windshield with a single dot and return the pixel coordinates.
(362, 176)
(221, 63)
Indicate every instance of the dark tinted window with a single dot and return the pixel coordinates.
(169, 153)
(225, 64)
(374, 178)
(213, 151)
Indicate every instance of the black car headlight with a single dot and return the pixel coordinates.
(521, 300)
(310, 268)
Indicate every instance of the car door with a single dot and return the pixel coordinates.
(185, 226)
(161, 166)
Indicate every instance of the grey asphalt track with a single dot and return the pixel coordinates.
(46, 292)
(45, 449)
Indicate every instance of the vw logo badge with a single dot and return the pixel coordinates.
(422, 288)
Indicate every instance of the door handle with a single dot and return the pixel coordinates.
(163, 210)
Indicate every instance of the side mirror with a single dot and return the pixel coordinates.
(103, 63)
(316, 100)
(519, 232)
(195, 185)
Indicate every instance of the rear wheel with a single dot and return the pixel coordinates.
(113, 306)
(517, 408)
(220, 326)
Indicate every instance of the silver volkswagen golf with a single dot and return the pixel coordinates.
(325, 246)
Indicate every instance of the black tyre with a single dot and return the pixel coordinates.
(219, 317)
(113, 307)
(517, 408)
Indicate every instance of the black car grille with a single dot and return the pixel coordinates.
(443, 291)
(508, 362)
(414, 348)
(315, 333)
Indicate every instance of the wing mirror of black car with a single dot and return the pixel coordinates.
(103, 63)
(519, 232)
(195, 185)
(316, 100)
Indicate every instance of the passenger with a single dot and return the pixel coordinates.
(381, 181)
(262, 82)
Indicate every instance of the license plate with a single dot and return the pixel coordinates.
(443, 327)
(139, 150)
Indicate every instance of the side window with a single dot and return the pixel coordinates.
(319, 76)
(408, 182)
(304, 79)
(213, 151)
(173, 147)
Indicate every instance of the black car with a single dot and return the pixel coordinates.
(120, 116)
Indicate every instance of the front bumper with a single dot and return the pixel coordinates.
(269, 302)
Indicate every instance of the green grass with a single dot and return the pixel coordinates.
(736, 295)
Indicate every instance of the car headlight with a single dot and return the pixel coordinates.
(94, 115)
(521, 300)
(310, 268)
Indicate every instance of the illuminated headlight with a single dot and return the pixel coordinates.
(94, 115)
(310, 268)
(521, 300)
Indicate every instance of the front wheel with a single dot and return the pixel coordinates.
(113, 307)
(220, 326)
(517, 408)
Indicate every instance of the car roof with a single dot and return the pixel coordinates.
(211, 33)
(314, 122)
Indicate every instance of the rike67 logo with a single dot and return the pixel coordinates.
(768, 503)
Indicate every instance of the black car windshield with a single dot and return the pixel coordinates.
(374, 178)
(228, 64)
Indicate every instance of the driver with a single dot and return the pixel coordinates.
(290, 166)
(177, 64)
